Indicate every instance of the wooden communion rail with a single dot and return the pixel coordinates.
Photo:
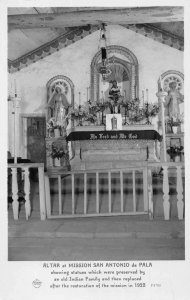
(176, 169)
(85, 174)
(144, 174)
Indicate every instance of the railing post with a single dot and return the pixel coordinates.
(73, 193)
(15, 193)
(97, 192)
(121, 188)
(27, 192)
(134, 192)
(179, 188)
(166, 203)
(109, 191)
(85, 193)
(42, 193)
(59, 191)
(145, 190)
(47, 193)
(150, 196)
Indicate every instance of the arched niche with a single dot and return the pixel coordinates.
(170, 76)
(166, 78)
(124, 62)
(67, 88)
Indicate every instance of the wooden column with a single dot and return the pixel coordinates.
(42, 193)
(179, 188)
(161, 96)
(166, 203)
(16, 104)
(15, 193)
(150, 195)
(47, 194)
(27, 192)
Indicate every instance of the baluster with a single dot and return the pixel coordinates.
(121, 188)
(179, 189)
(42, 193)
(15, 203)
(60, 198)
(150, 195)
(166, 203)
(97, 192)
(109, 191)
(145, 190)
(27, 192)
(85, 193)
(48, 198)
(134, 192)
(73, 193)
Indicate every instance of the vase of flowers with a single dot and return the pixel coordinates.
(175, 153)
(57, 154)
(175, 121)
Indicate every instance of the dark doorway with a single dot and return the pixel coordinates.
(36, 133)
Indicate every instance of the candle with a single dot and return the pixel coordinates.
(79, 99)
(161, 86)
(87, 93)
(15, 88)
(147, 95)
(135, 91)
(143, 97)
(125, 93)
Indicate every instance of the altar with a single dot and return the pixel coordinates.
(96, 148)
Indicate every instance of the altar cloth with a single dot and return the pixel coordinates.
(114, 135)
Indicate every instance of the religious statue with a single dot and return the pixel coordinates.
(60, 106)
(173, 100)
(114, 93)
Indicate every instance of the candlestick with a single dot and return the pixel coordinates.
(87, 93)
(147, 95)
(15, 88)
(135, 91)
(143, 97)
(79, 99)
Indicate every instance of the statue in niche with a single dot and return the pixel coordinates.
(114, 93)
(59, 104)
(173, 100)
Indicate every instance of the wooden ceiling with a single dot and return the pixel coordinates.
(34, 27)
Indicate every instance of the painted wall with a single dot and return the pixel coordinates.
(74, 62)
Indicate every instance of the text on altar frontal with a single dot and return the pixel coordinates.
(117, 136)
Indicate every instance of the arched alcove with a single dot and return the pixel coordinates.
(124, 66)
(67, 88)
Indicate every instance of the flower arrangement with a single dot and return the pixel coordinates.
(175, 151)
(58, 152)
(90, 117)
(52, 124)
(151, 110)
(175, 120)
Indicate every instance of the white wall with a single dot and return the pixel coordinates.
(74, 62)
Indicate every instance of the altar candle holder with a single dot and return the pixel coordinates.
(147, 114)
(80, 117)
(126, 109)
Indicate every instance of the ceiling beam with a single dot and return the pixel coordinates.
(96, 16)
